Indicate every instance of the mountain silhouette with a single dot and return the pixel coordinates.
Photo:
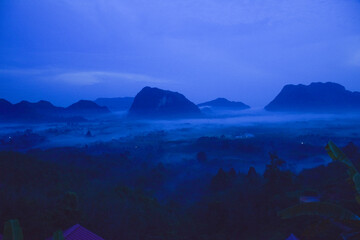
(86, 107)
(223, 103)
(41, 111)
(41, 107)
(4, 106)
(316, 98)
(116, 104)
(158, 103)
(44, 111)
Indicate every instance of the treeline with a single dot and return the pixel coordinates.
(117, 197)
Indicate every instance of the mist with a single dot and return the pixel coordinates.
(181, 119)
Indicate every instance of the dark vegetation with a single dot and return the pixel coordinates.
(121, 191)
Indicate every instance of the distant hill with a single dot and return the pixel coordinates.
(4, 106)
(85, 107)
(41, 107)
(316, 98)
(29, 112)
(223, 103)
(158, 103)
(44, 111)
(116, 104)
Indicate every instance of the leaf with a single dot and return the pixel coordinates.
(337, 155)
(356, 180)
(12, 230)
(58, 235)
(318, 209)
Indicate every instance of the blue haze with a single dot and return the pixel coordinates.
(67, 50)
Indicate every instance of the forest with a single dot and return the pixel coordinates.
(132, 189)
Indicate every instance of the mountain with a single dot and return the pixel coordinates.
(158, 103)
(316, 98)
(5, 109)
(224, 104)
(4, 106)
(85, 107)
(41, 107)
(44, 111)
(41, 111)
(116, 104)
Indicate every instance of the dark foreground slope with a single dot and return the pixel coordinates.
(119, 194)
(316, 98)
(158, 103)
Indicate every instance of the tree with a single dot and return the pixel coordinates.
(277, 179)
(329, 210)
(67, 212)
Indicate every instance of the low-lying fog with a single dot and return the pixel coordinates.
(235, 139)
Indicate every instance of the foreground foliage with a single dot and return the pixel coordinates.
(122, 195)
(330, 210)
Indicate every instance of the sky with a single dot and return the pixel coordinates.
(244, 50)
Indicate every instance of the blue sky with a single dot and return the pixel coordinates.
(66, 50)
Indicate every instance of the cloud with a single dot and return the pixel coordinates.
(95, 77)
(224, 12)
(230, 47)
(84, 78)
(27, 71)
(78, 78)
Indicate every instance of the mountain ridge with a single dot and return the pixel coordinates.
(159, 103)
(328, 97)
(223, 103)
(44, 111)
